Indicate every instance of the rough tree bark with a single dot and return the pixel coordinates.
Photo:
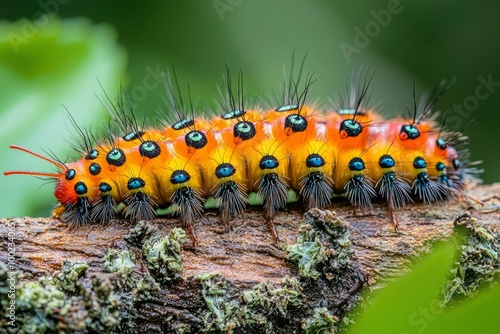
(238, 281)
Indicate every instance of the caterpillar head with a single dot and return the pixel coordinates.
(69, 183)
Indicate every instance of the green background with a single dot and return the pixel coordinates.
(427, 40)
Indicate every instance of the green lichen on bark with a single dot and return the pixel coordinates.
(163, 255)
(141, 284)
(321, 321)
(122, 262)
(71, 271)
(267, 307)
(323, 245)
(220, 315)
(43, 306)
(478, 262)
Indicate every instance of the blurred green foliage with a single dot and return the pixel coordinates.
(427, 40)
(44, 70)
(412, 305)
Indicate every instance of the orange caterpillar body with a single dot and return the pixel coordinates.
(347, 150)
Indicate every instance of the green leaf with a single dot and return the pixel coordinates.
(410, 303)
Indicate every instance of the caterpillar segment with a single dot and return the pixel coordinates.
(181, 187)
(311, 168)
(225, 178)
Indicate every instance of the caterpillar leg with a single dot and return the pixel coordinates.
(316, 190)
(78, 213)
(103, 209)
(391, 212)
(271, 227)
(139, 207)
(231, 200)
(273, 189)
(58, 211)
(189, 205)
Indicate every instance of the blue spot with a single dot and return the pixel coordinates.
(179, 176)
(115, 157)
(80, 188)
(233, 114)
(441, 143)
(356, 164)
(94, 168)
(419, 163)
(92, 155)
(183, 123)
(70, 174)
(443, 179)
(224, 170)
(410, 131)
(440, 166)
(133, 135)
(244, 130)
(268, 162)
(104, 187)
(314, 160)
(386, 161)
(135, 183)
(347, 111)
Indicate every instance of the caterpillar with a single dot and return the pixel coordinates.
(348, 149)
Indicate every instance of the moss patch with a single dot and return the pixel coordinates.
(323, 245)
(43, 306)
(478, 262)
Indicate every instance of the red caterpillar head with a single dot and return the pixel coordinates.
(71, 187)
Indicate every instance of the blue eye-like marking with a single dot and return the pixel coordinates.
(350, 128)
(441, 143)
(314, 160)
(70, 174)
(440, 166)
(104, 187)
(93, 154)
(94, 168)
(268, 162)
(419, 163)
(149, 149)
(356, 165)
(196, 139)
(386, 161)
(135, 183)
(409, 132)
(115, 157)
(296, 122)
(244, 130)
(224, 170)
(179, 176)
(80, 188)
